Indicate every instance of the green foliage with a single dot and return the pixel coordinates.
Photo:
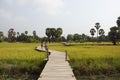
(20, 59)
(92, 60)
(114, 34)
(92, 31)
(118, 22)
(11, 35)
(54, 34)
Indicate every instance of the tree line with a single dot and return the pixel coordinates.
(55, 35)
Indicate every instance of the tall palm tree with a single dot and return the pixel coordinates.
(92, 31)
(26, 32)
(18, 34)
(34, 33)
(11, 35)
(118, 22)
(1, 33)
(101, 32)
(1, 36)
(97, 26)
(53, 31)
(58, 32)
(48, 32)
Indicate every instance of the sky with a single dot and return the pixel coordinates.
(73, 16)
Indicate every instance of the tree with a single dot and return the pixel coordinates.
(26, 32)
(11, 35)
(113, 34)
(34, 33)
(118, 22)
(48, 33)
(18, 34)
(101, 32)
(69, 37)
(76, 37)
(53, 33)
(1, 36)
(92, 31)
(83, 37)
(58, 32)
(97, 26)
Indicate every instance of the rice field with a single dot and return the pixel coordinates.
(89, 60)
(20, 59)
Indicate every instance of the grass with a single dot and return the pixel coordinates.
(20, 59)
(89, 60)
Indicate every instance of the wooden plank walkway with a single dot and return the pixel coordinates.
(57, 68)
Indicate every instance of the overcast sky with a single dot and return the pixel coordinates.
(73, 16)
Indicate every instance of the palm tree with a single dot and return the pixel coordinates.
(118, 22)
(53, 32)
(97, 26)
(18, 34)
(1, 33)
(101, 32)
(48, 33)
(26, 32)
(58, 32)
(92, 31)
(11, 35)
(113, 34)
(34, 33)
(1, 36)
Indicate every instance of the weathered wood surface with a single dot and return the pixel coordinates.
(57, 68)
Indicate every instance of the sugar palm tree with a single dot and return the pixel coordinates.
(48, 33)
(118, 22)
(101, 32)
(26, 32)
(97, 26)
(11, 35)
(1, 36)
(92, 32)
(34, 33)
(58, 32)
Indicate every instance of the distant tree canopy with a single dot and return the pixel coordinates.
(97, 26)
(1, 36)
(24, 37)
(92, 32)
(100, 32)
(11, 35)
(78, 37)
(114, 34)
(118, 22)
(54, 34)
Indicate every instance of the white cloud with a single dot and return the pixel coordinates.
(18, 2)
(51, 7)
(5, 14)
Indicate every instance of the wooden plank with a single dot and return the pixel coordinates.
(57, 68)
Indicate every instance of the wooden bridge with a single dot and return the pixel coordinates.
(57, 68)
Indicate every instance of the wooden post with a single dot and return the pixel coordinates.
(65, 55)
(47, 55)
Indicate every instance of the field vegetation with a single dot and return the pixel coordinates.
(20, 61)
(98, 60)
(89, 61)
